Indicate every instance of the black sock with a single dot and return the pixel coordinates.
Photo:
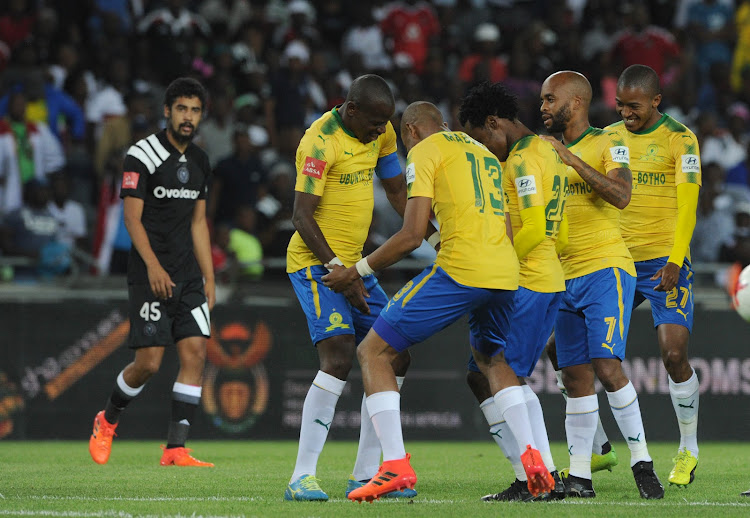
(116, 403)
(606, 448)
(183, 412)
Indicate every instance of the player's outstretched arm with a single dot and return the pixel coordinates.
(395, 191)
(398, 246)
(202, 250)
(158, 278)
(615, 188)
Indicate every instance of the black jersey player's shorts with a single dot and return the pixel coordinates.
(159, 322)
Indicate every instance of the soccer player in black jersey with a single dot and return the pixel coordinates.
(170, 275)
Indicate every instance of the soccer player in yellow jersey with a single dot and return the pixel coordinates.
(336, 160)
(592, 325)
(535, 183)
(476, 272)
(657, 227)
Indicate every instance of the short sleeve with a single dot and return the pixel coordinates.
(687, 158)
(526, 173)
(421, 165)
(206, 166)
(315, 156)
(617, 153)
(135, 175)
(388, 144)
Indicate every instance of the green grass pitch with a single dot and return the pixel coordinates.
(58, 479)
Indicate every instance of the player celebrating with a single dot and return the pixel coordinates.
(170, 275)
(476, 272)
(657, 227)
(535, 183)
(333, 205)
(592, 325)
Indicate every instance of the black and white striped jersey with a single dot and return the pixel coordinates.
(169, 183)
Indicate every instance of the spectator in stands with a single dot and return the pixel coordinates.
(643, 43)
(737, 250)
(118, 131)
(244, 246)
(484, 64)
(168, 33)
(364, 37)
(240, 179)
(28, 151)
(275, 227)
(31, 232)
(741, 57)
(16, 22)
(710, 24)
(300, 25)
(70, 215)
(714, 223)
(217, 131)
(411, 26)
(109, 100)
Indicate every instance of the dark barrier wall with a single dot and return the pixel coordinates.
(58, 363)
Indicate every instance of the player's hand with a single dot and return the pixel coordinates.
(210, 288)
(565, 154)
(669, 275)
(340, 278)
(356, 294)
(160, 282)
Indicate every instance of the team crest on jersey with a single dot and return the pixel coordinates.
(183, 175)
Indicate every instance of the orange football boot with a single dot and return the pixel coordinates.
(181, 457)
(100, 442)
(539, 478)
(393, 475)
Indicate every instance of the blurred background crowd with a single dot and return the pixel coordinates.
(80, 81)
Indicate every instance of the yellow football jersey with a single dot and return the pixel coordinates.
(661, 157)
(333, 164)
(464, 181)
(594, 239)
(534, 175)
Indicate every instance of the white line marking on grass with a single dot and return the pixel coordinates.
(107, 514)
(148, 498)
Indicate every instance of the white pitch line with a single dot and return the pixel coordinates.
(107, 514)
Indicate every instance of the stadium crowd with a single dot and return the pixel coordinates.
(81, 81)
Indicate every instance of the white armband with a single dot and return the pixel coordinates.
(434, 239)
(363, 267)
(333, 261)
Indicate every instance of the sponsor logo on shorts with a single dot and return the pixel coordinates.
(149, 329)
(130, 180)
(526, 185)
(314, 167)
(336, 322)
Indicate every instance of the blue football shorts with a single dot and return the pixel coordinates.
(532, 323)
(329, 313)
(594, 317)
(432, 301)
(673, 307)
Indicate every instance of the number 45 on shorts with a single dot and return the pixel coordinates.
(150, 311)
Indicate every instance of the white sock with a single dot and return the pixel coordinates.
(538, 427)
(600, 437)
(500, 432)
(627, 412)
(368, 452)
(385, 411)
(317, 416)
(685, 399)
(581, 414)
(512, 405)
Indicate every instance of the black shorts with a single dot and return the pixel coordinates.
(158, 322)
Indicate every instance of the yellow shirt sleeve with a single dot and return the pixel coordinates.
(421, 165)
(687, 204)
(314, 159)
(532, 232)
(388, 144)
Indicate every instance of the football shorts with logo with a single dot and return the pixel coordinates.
(329, 313)
(533, 320)
(432, 301)
(673, 307)
(160, 322)
(594, 317)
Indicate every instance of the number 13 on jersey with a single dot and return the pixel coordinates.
(490, 168)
